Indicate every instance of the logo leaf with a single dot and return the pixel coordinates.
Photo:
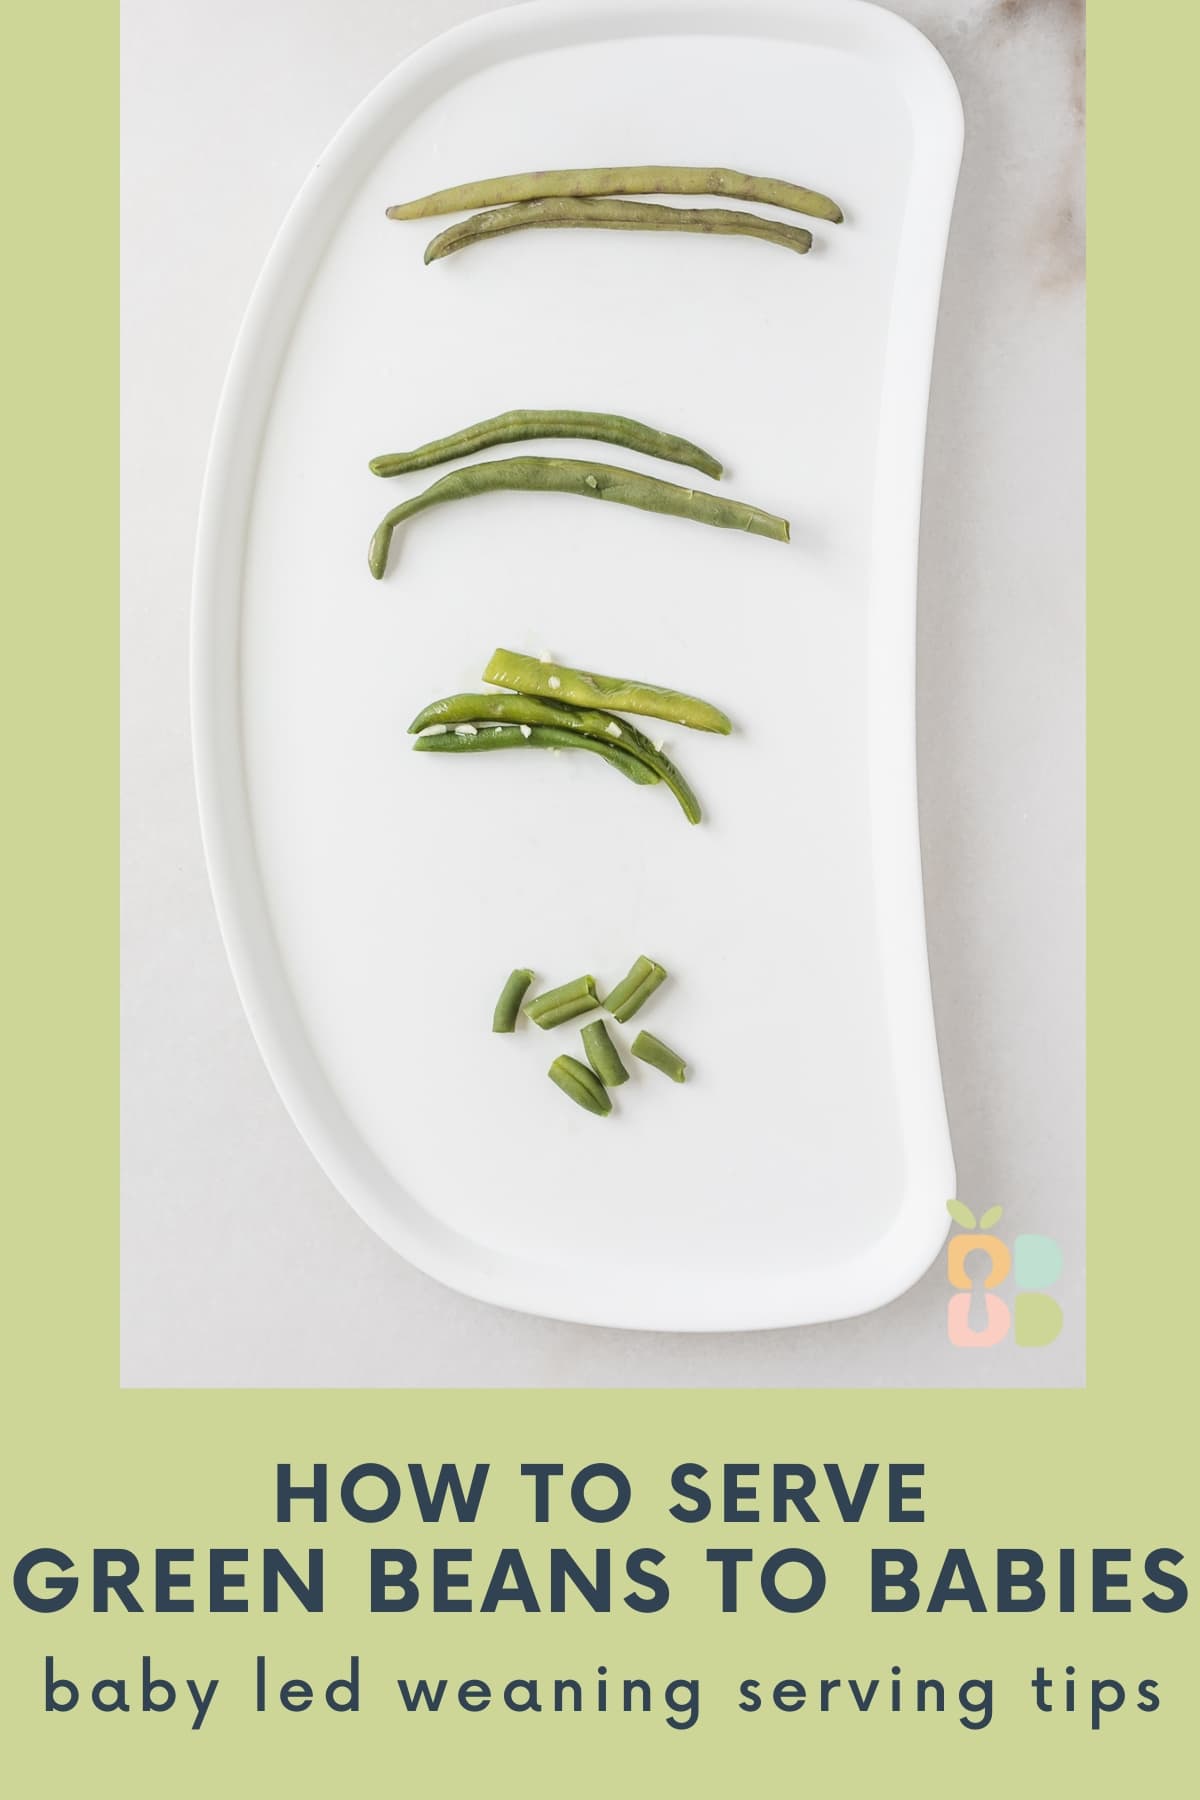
(991, 1217)
(962, 1215)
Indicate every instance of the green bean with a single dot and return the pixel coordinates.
(537, 737)
(568, 1073)
(659, 1055)
(559, 1004)
(631, 994)
(524, 709)
(509, 1004)
(547, 184)
(614, 215)
(590, 481)
(601, 1052)
(512, 427)
(580, 687)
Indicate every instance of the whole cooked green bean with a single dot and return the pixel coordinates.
(659, 1055)
(464, 742)
(614, 215)
(581, 687)
(568, 1073)
(513, 427)
(601, 1052)
(509, 1004)
(590, 481)
(559, 1004)
(547, 184)
(631, 994)
(525, 709)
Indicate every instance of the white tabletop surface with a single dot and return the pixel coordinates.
(241, 1266)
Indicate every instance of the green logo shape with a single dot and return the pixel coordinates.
(1037, 1260)
(1037, 1320)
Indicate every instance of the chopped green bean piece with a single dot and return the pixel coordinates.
(582, 687)
(659, 1055)
(568, 1073)
(559, 1004)
(601, 1052)
(514, 427)
(509, 1004)
(631, 994)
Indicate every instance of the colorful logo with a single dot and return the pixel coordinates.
(977, 1262)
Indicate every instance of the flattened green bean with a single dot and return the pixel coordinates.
(547, 184)
(601, 1052)
(590, 481)
(631, 994)
(614, 215)
(559, 1004)
(509, 1004)
(568, 1073)
(537, 737)
(524, 709)
(659, 1055)
(581, 687)
(513, 427)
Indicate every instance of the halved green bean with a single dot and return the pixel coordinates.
(614, 215)
(589, 481)
(581, 687)
(547, 184)
(528, 709)
(601, 1052)
(632, 993)
(509, 1004)
(659, 1055)
(513, 427)
(536, 737)
(568, 1073)
(559, 1004)
(525, 709)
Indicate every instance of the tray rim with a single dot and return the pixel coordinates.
(905, 1251)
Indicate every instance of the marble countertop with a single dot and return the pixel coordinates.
(241, 1266)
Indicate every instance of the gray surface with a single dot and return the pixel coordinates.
(241, 1266)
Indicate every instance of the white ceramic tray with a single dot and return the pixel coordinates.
(372, 901)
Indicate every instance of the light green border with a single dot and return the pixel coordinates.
(87, 1464)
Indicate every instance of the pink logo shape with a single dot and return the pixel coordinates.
(958, 1322)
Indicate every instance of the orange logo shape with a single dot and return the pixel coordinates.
(958, 1250)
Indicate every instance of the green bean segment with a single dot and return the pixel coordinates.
(589, 481)
(536, 737)
(659, 1055)
(580, 687)
(631, 994)
(562, 1003)
(513, 427)
(504, 1018)
(547, 184)
(562, 1015)
(568, 1073)
(614, 215)
(525, 709)
(601, 1052)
